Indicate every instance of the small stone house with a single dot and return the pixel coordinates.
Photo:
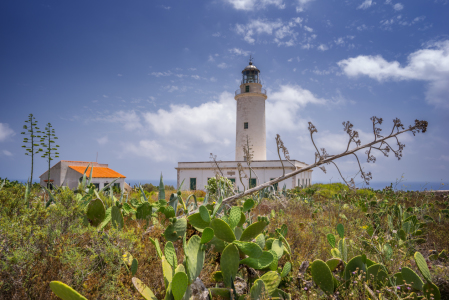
(70, 173)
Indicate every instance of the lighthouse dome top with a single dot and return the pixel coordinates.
(250, 67)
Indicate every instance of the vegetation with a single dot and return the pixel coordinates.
(30, 130)
(313, 244)
(47, 141)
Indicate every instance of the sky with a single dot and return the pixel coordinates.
(146, 84)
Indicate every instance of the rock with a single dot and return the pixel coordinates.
(198, 290)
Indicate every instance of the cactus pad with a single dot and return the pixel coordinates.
(422, 266)
(341, 230)
(257, 290)
(331, 239)
(144, 211)
(248, 205)
(242, 219)
(204, 213)
(229, 264)
(356, 264)
(278, 248)
(220, 292)
(194, 257)
(167, 271)
(274, 264)
(179, 285)
(222, 230)
(412, 278)
(259, 263)
(170, 254)
(322, 276)
(197, 221)
(249, 248)
(155, 242)
(117, 218)
(143, 289)
(271, 280)
(96, 212)
(376, 273)
(64, 291)
(260, 240)
(235, 215)
(253, 230)
(431, 291)
(175, 231)
(287, 268)
(336, 253)
(333, 263)
(134, 266)
(208, 234)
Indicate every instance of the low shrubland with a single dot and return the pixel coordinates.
(320, 242)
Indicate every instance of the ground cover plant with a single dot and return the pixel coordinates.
(347, 245)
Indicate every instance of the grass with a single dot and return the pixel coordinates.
(39, 244)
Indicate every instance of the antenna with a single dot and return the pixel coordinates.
(251, 59)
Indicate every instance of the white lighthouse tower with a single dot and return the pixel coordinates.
(250, 131)
(250, 126)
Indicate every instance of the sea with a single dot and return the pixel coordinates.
(400, 186)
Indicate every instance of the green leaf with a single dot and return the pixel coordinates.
(155, 242)
(96, 212)
(204, 213)
(197, 221)
(179, 285)
(234, 216)
(341, 230)
(412, 278)
(278, 248)
(64, 291)
(259, 263)
(271, 280)
(170, 254)
(257, 290)
(253, 230)
(249, 248)
(208, 234)
(195, 256)
(322, 276)
(134, 267)
(143, 289)
(331, 239)
(287, 268)
(422, 266)
(176, 231)
(249, 203)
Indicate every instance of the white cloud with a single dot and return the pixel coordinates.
(222, 65)
(211, 58)
(283, 32)
(302, 4)
(212, 124)
(119, 75)
(238, 51)
(5, 131)
(430, 64)
(165, 7)
(366, 4)
(216, 34)
(102, 140)
(171, 88)
(308, 29)
(7, 153)
(159, 74)
(255, 4)
(196, 77)
(398, 6)
(444, 157)
(323, 47)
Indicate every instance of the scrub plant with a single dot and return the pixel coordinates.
(30, 146)
(48, 142)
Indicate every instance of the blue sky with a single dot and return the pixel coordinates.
(149, 83)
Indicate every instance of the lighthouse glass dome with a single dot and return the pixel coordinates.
(250, 74)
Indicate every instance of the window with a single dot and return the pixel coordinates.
(117, 185)
(252, 182)
(97, 185)
(193, 184)
(275, 186)
(247, 89)
(232, 180)
(245, 125)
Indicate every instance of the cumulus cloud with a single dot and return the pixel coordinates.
(255, 4)
(398, 6)
(430, 65)
(175, 131)
(238, 51)
(102, 140)
(5, 131)
(302, 4)
(366, 4)
(283, 33)
(323, 47)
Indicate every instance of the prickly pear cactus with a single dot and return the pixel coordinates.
(322, 276)
(176, 230)
(208, 234)
(117, 218)
(278, 248)
(197, 222)
(343, 249)
(143, 289)
(253, 230)
(179, 285)
(274, 264)
(422, 266)
(412, 278)
(222, 230)
(144, 211)
(249, 248)
(257, 290)
(204, 213)
(167, 272)
(260, 240)
(333, 263)
(336, 253)
(331, 240)
(96, 212)
(234, 216)
(194, 257)
(64, 291)
(170, 254)
(271, 280)
(155, 242)
(287, 268)
(377, 273)
(229, 264)
(259, 263)
(356, 264)
(341, 230)
(431, 291)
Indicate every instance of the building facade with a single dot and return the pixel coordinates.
(69, 173)
(250, 133)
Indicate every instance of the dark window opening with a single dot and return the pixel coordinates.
(193, 184)
(247, 89)
(97, 185)
(232, 180)
(274, 186)
(252, 182)
(245, 125)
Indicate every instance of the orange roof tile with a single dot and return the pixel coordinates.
(98, 172)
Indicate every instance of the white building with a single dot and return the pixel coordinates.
(69, 173)
(250, 131)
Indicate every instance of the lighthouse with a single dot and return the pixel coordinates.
(250, 125)
(250, 133)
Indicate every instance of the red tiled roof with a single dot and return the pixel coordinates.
(98, 172)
